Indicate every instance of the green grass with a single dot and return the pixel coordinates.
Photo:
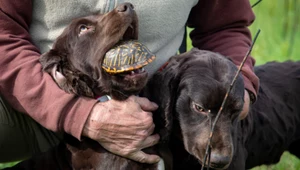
(287, 162)
(279, 22)
(279, 40)
(5, 165)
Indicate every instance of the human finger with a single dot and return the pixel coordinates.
(146, 104)
(246, 106)
(151, 129)
(142, 157)
(150, 141)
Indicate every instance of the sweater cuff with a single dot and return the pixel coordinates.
(251, 82)
(75, 120)
(250, 89)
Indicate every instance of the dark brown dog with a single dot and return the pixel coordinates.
(193, 88)
(75, 64)
(77, 55)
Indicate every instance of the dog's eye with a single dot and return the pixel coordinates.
(82, 29)
(198, 108)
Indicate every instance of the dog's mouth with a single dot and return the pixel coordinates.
(130, 33)
(216, 161)
(215, 166)
(125, 34)
(133, 73)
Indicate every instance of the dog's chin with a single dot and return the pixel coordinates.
(136, 81)
(215, 161)
(128, 83)
(136, 76)
(216, 166)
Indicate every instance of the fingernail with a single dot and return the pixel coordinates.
(155, 105)
(157, 159)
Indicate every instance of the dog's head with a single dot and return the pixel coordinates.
(191, 90)
(76, 57)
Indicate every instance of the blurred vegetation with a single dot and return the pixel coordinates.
(5, 165)
(279, 40)
(279, 21)
(287, 162)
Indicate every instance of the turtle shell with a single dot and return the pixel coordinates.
(127, 56)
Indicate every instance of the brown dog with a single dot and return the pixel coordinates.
(77, 55)
(190, 90)
(75, 64)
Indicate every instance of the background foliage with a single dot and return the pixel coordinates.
(279, 40)
(279, 21)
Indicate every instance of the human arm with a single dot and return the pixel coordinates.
(30, 90)
(22, 82)
(221, 26)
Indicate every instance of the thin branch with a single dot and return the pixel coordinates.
(225, 99)
(286, 23)
(256, 3)
(294, 29)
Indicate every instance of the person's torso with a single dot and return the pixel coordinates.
(161, 22)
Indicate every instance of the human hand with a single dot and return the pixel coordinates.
(124, 127)
(246, 106)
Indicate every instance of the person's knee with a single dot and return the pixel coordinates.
(21, 136)
(12, 144)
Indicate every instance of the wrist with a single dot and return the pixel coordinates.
(251, 96)
(75, 117)
(93, 123)
(86, 131)
(246, 106)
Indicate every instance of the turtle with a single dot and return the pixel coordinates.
(127, 56)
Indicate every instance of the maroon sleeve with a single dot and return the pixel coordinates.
(22, 82)
(221, 26)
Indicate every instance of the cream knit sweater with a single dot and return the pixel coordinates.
(157, 31)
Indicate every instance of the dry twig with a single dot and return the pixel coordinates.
(256, 3)
(207, 152)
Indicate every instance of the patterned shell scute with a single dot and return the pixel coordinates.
(127, 56)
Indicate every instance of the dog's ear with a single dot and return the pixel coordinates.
(50, 59)
(51, 63)
(162, 89)
(67, 79)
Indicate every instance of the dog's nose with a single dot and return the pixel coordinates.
(125, 7)
(220, 161)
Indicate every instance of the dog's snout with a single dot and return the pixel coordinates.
(220, 161)
(125, 7)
